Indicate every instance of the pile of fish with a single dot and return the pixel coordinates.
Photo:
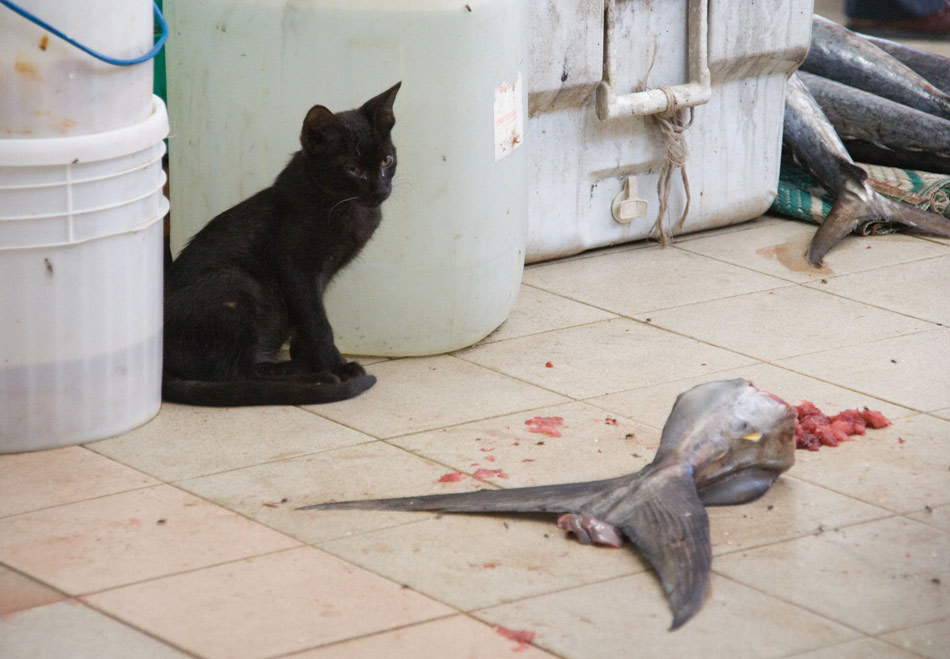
(724, 443)
(880, 102)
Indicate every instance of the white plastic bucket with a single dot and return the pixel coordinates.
(64, 190)
(81, 318)
(52, 89)
(444, 267)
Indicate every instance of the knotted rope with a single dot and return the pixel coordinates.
(673, 125)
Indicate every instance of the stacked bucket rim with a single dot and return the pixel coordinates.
(81, 209)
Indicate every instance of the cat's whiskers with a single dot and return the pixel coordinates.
(402, 189)
(342, 201)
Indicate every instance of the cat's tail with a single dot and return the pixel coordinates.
(239, 393)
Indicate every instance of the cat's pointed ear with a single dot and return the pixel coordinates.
(320, 127)
(379, 109)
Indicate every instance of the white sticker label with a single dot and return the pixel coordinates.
(509, 118)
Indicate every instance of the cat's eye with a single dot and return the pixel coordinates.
(387, 162)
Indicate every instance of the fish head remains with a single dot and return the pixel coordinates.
(736, 438)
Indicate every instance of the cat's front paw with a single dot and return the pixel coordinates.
(349, 370)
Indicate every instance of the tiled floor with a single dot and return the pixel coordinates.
(180, 538)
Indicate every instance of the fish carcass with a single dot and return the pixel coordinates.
(724, 443)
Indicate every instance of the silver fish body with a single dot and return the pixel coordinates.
(937, 162)
(841, 55)
(934, 68)
(916, 137)
(813, 140)
(724, 443)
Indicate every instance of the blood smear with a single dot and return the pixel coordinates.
(485, 474)
(521, 636)
(452, 477)
(545, 425)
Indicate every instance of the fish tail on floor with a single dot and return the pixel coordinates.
(543, 498)
(848, 211)
(857, 206)
(669, 526)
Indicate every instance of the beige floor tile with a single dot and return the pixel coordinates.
(629, 617)
(18, 592)
(938, 516)
(69, 629)
(943, 414)
(785, 322)
(876, 577)
(937, 239)
(898, 288)
(652, 404)
(718, 231)
(185, 442)
(358, 472)
(777, 246)
(457, 636)
(865, 648)
(31, 481)
(539, 311)
(431, 392)
(474, 561)
(602, 358)
(791, 508)
(906, 370)
(633, 282)
(592, 445)
(268, 605)
(123, 538)
(880, 470)
(932, 640)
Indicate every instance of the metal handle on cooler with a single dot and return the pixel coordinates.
(653, 101)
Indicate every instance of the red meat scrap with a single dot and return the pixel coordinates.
(814, 428)
(874, 419)
(546, 425)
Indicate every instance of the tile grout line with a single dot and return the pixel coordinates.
(130, 625)
(797, 605)
(848, 388)
(606, 393)
(379, 632)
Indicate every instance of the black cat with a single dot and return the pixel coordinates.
(254, 277)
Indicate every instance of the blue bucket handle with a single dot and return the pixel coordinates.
(105, 58)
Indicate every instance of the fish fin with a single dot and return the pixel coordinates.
(570, 497)
(667, 522)
(738, 487)
(857, 206)
(841, 221)
(913, 218)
